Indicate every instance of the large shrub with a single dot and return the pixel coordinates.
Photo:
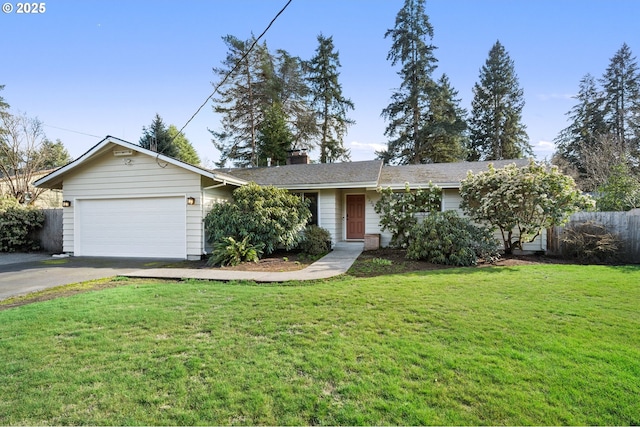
(521, 201)
(621, 191)
(18, 225)
(446, 238)
(267, 216)
(398, 210)
(591, 243)
(316, 240)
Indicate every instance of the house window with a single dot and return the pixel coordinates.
(313, 206)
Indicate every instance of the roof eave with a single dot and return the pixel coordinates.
(54, 179)
(414, 185)
(331, 185)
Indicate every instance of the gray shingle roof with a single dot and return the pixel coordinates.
(367, 174)
(347, 174)
(442, 174)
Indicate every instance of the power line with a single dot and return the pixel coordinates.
(233, 69)
(73, 131)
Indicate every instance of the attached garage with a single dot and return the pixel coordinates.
(152, 227)
(121, 200)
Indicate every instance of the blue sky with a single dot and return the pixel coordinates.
(105, 67)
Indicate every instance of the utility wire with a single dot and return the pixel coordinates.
(74, 131)
(233, 69)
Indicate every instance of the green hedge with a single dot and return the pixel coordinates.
(18, 226)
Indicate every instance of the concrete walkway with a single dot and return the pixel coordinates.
(334, 263)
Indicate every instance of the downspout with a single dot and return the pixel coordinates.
(204, 237)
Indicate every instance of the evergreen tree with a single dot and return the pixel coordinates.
(3, 105)
(293, 98)
(496, 129)
(274, 137)
(156, 138)
(3, 111)
(445, 127)
(185, 151)
(330, 105)
(621, 84)
(411, 47)
(54, 154)
(243, 98)
(586, 127)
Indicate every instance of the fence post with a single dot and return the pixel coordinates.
(50, 236)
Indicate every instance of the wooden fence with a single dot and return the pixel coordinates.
(624, 224)
(50, 235)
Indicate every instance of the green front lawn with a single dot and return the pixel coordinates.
(535, 344)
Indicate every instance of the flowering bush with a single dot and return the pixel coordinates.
(521, 202)
(398, 210)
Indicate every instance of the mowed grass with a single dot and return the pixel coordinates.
(535, 344)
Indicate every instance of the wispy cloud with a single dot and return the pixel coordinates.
(355, 145)
(544, 150)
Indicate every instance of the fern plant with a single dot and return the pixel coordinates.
(229, 251)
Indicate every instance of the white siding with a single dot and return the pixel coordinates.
(136, 176)
(329, 213)
(373, 219)
(211, 197)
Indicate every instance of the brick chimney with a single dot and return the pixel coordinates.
(298, 157)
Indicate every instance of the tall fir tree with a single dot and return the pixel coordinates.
(186, 152)
(445, 126)
(54, 154)
(406, 114)
(274, 137)
(293, 97)
(243, 98)
(156, 138)
(496, 128)
(328, 102)
(587, 124)
(621, 84)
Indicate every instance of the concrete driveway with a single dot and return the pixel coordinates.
(25, 273)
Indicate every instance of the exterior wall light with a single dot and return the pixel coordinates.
(66, 203)
(191, 201)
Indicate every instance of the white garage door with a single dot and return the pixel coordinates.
(141, 227)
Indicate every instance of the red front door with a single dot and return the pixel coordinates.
(355, 216)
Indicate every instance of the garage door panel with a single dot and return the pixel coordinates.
(141, 227)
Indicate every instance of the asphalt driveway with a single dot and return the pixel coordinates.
(25, 273)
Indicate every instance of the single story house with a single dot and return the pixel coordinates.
(122, 200)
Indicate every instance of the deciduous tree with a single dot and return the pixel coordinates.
(521, 202)
(621, 191)
(21, 156)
